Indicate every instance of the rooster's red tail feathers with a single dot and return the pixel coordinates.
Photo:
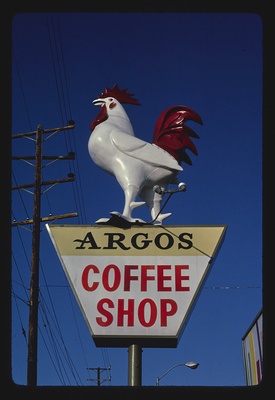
(172, 135)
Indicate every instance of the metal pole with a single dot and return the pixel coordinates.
(134, 365)
(189, 364)
(34, 280)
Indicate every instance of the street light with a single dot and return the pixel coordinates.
(189, 364)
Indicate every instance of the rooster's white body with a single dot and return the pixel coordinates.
(137, 165)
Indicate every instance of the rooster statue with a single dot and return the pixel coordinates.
(142, 169)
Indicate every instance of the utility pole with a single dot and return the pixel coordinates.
(99, 380)
(34, 279)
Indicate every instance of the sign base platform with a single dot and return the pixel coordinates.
(117, 220)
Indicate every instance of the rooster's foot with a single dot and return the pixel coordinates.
(102, 220)
(129, 219)
(135, 204)
(160, 218)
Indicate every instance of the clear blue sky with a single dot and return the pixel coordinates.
(211, 62)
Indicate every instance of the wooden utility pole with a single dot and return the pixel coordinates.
(34, 281)
(34, 278)
(99, 380)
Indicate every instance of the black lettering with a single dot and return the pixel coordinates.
(88, 239)
(112, 240)
(144, 243)
(139, 241)
(188, 243)
(169, 243)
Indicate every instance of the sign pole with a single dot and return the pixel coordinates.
(134, 365)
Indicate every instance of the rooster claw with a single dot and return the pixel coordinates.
(129, 219)
(135, 204)
(160, 218)
(102, 220)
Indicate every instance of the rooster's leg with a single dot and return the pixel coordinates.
(130, 194)
(153, 201)
(157, 216)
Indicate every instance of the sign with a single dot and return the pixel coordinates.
(252, 345)
(137, 285)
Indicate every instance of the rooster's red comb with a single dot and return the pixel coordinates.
(120, 94)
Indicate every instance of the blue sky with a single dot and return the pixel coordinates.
(211, 62)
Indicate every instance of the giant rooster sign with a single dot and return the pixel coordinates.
(142, 169)
(136, 281)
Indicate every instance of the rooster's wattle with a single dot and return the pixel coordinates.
(137, 165)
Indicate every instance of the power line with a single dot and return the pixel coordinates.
(34, 279)
(59, 70)
(233, 287)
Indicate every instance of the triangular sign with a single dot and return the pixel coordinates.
(136, 285)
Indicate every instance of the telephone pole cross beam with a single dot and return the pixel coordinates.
(98, 379)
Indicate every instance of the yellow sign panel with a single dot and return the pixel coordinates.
(148, 240)
(136, 285)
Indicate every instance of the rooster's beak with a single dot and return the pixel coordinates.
(98, 102)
